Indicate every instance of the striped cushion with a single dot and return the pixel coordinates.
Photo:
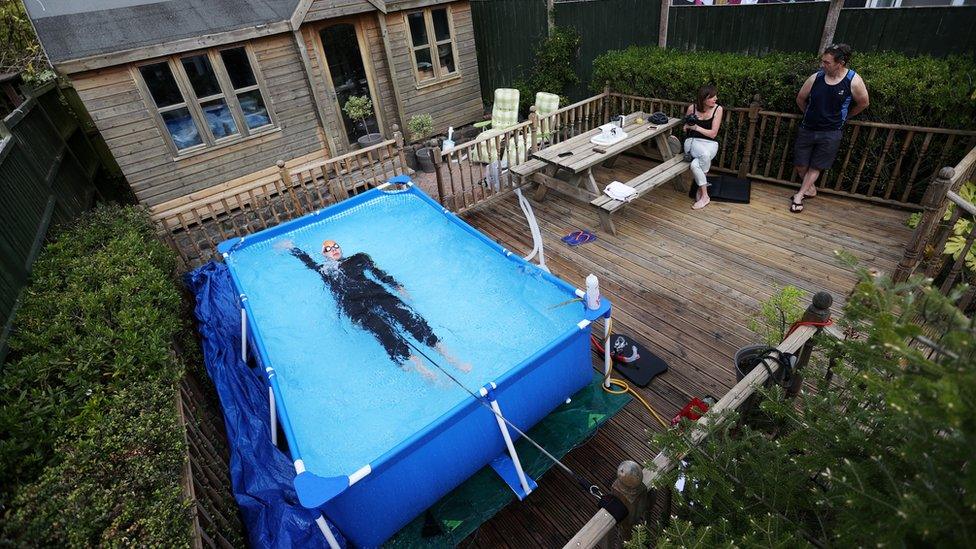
(545, 103)
(504, 112)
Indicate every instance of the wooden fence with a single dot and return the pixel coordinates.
(193, 225)
(47, 168)
(507, 32)
(884, 163)
(941, 247)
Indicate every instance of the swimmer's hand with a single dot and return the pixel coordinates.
(285, 244)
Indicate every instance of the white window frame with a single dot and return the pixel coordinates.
(432, 45)
(194, 104)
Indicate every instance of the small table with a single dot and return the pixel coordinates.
(576, 167)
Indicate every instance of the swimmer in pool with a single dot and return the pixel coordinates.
(371, 306)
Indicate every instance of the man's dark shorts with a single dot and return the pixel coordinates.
(816, 149)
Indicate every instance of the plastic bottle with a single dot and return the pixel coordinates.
(592, 292)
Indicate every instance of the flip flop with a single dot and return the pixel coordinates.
(796, 207)
(587, 237)
(573, 236)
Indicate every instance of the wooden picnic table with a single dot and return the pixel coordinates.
(569, 164)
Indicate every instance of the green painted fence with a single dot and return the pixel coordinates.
(754, 29)
(47, 169)
(936, 31)
(507, 32)
(607, 25)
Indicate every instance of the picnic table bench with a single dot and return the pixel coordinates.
(567, 167)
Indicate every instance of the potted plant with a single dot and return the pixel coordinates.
(359, 108)
(420, 127)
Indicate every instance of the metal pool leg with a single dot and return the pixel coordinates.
(243, 329)
(327, 532)
(606, 351)
(525, 483)
(274, 417)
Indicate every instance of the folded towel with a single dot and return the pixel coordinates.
(620, 191)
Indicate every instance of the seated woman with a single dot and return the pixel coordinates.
(700, 143)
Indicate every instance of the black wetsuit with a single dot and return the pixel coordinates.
(370, 305)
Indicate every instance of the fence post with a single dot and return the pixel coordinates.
(817, 311)
(933, 204)
(750, 137)
(662, 32)
(436, 154)
(535, 131)
(398, 137)
(630, 490)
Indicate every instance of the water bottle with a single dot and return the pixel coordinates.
(592, 292)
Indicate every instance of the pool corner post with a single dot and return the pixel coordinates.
(607, 362)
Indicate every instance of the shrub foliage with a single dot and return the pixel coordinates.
(881, 455)
(920, 91)
(93, 451)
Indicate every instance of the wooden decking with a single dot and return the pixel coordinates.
(685, 283)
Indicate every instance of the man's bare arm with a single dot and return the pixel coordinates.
(860, 93)
(804, 94)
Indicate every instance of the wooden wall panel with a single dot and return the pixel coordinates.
(327, 9)
(125, 120)
(454, 102)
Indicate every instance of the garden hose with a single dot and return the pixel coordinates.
(624, 387)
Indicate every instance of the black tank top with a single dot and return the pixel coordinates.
(706, 124)
(828, 105)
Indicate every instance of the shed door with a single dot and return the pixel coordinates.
(347, 72)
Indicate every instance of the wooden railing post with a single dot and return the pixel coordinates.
(750, 137)
(606, 104)
(436, 154)
(630, 490)
(398, 137)
(818, 311)
(535, 132)
(934, 203)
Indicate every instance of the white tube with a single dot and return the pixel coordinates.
(537, 243)
(274, 417)
(511, 447)
(244, 334)
(327, 532)
(606, 352)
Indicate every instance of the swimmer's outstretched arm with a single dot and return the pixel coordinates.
(305, 258)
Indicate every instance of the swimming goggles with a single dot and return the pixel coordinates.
(328, 249)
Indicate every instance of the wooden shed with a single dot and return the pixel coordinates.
(190, 94)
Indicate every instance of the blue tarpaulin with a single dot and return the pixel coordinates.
(261, 475)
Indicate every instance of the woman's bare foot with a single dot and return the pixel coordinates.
(702, 202)
(427, 374)
(463, 366)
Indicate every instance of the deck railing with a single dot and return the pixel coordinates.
(939, 228)
(884, 163)
(599, 530)
(195, 226)
(471, 173)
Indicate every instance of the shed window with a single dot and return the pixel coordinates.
(432, 42)
(207, 98)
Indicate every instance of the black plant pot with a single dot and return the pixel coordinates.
(369, 140)
(425, 157)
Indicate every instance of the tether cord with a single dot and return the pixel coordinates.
(591, 488)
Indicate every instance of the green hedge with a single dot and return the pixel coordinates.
(921, 91)
(93, 451)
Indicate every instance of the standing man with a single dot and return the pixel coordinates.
(825, 100)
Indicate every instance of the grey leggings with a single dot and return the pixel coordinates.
(703, 151)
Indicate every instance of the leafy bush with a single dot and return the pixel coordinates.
(777, 314)
(882, 455)
(553, 71)
(93, 450)
(921, 91)
(420, 126)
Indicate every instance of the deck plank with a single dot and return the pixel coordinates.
(685, 283)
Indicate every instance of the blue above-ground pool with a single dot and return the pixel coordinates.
(375, 442)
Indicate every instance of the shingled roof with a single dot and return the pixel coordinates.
(70, 29)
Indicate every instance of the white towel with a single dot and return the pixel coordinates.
(620, 191)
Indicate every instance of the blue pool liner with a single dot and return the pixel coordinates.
(261, 475)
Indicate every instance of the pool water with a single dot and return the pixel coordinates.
(348, 403)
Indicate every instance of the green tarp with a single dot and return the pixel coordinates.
(471, 504)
